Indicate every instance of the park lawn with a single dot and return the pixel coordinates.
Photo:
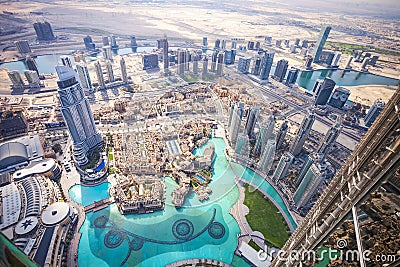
(265, 218)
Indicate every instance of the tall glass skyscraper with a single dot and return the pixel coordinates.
(323, 36)
(77, 115)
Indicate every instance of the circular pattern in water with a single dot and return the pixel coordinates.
(216, 230)
(114, 238)
(136, 243)
(182, 229)
(100, 222)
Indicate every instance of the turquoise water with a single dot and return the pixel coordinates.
(307, 79)
(88, 194)
(198, 229)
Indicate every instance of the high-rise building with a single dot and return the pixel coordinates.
(302, 133)
(230, 56)
(43, 30)
(280, 138)
(107, 53)
(266, 65)
(223, 45)
(292, 76)
(252, 116)
(339, 97)
(308, 186)
(256, 66)
(99, 74)
(195, 63)
(83, 75)
(214, 59)
(124, 74)
(113, 42)
(31, 63)
(32, 77)
(280, 70)
(242, 145)
(164, 46)
(187, 60)
(335, 61)
(244, 64)
(265, 133)
(133, 41)
(106, 41)
(374, 112)
(77, 115)
(329, 139)
(180, 70)
(278, 43)
(324, 92)
(307, 164)
(307, 64)
(150, 61)
(250, 45)
(304, 43)
(373, 163)
(89, 45)
(220, 63)
(110, 72)
(235, 120)
(267, 157)
(205, 66)
(297, 42)
(283, 167)
(23, 47)
(234, 44)
(217, 43)
(16, 79)
(348, 63)
(205, 42)
(323, 36)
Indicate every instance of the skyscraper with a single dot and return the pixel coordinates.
(266, 65)
(242, 145)
(32, 77)
(107, 53)
(113, 42)
(280, 70)
(280, 138)
(230, 56)
(84, 78)
(164, 46)
(205, 42)
(374, 112)
(217, 43)
(23, 47)
(244, 64)
(106, 41)
(308, 186)
(302, 133)
(110, 72)
(220, 63)
(265, 133)
(133, 42)
(235, 120)
(252, 116)
(310, 159)
(99, 74)
(267, 157)
(43, 30)
(205, 66)
(150, 61)
(89, 45)
(223, 44)
(124, 74)
(283, 167)
(195, 63)
(329, 139)
(214, 59)
(323, 36)
(77, 115)
(180, 70)
(339, 97)
(31, 63)
(16, 79)
(307, 64)
(256, 65)
(325, 91)
(292, 76)
(187, 60)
